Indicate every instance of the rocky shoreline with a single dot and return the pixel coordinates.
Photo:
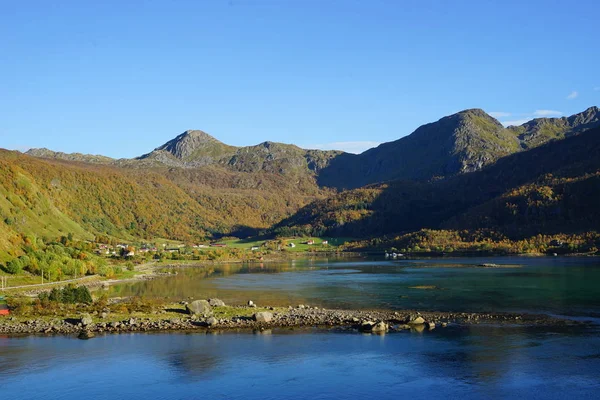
(252, 318)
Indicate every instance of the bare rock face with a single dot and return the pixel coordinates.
(199, 308)
(263, 316)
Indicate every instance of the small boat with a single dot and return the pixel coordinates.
(3, 307)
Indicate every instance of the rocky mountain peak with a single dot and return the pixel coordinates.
(188, 143)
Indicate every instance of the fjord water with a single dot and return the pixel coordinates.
(555, 285)
(475, 362)
(454, 362)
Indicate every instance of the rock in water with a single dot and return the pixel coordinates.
(380, 327)
(84, 335)
(86, 319)
(263, 316)
(199, 308)
(216, 302)
(367, 326)
(417, 321)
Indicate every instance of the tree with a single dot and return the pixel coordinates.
(14, 266)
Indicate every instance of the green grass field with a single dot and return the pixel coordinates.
(299, 243)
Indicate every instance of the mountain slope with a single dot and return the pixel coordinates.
(57, 155)
(54, 197)
(196, 148)
(553, 187)
(541, 130)
(463, 142)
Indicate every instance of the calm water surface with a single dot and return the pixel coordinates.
(455, 362)
(479, 362)
(555, 285)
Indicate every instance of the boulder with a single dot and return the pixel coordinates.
(380, 327)
(263, 316)
(86, 319)
(431, 325)
(199, 308)
(84, 335)
(251, 304)
(216, 303)
(367, 326)
(417, 321)
(212, 321)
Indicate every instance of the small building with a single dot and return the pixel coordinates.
(254, 248)
(218, 245)
(310, 242)
(325, 242)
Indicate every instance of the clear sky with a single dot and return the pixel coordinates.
(120, 78)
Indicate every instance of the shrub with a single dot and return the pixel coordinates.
(69, 295)
(14, 266)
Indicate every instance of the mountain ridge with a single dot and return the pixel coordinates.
(459, 143)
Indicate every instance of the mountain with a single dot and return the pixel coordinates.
(51, 198)
(57, 155)
(460, 143)
(197, 148)
(463, 171)
(541, 130)
(551, 188)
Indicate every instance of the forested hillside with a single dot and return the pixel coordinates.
(53, 197)
(465, 171)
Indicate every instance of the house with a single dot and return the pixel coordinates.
(254, 248)
(325, 242)
(218, 245)
(310, 242)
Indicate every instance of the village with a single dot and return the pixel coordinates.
(211, 250)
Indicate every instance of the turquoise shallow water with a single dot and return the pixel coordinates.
(557, 285)
(466, 363)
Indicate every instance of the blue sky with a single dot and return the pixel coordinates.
(120, 78)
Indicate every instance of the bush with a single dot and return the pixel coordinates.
(69, 295)
(14, 266)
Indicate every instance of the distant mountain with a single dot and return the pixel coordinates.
(552, 188)
(197, 148)
(541, 130)
(57, 155)
(460, 143)
(463, 171)
(463, 142)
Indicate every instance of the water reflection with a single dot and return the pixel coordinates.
(467, 362)
(556, 285)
